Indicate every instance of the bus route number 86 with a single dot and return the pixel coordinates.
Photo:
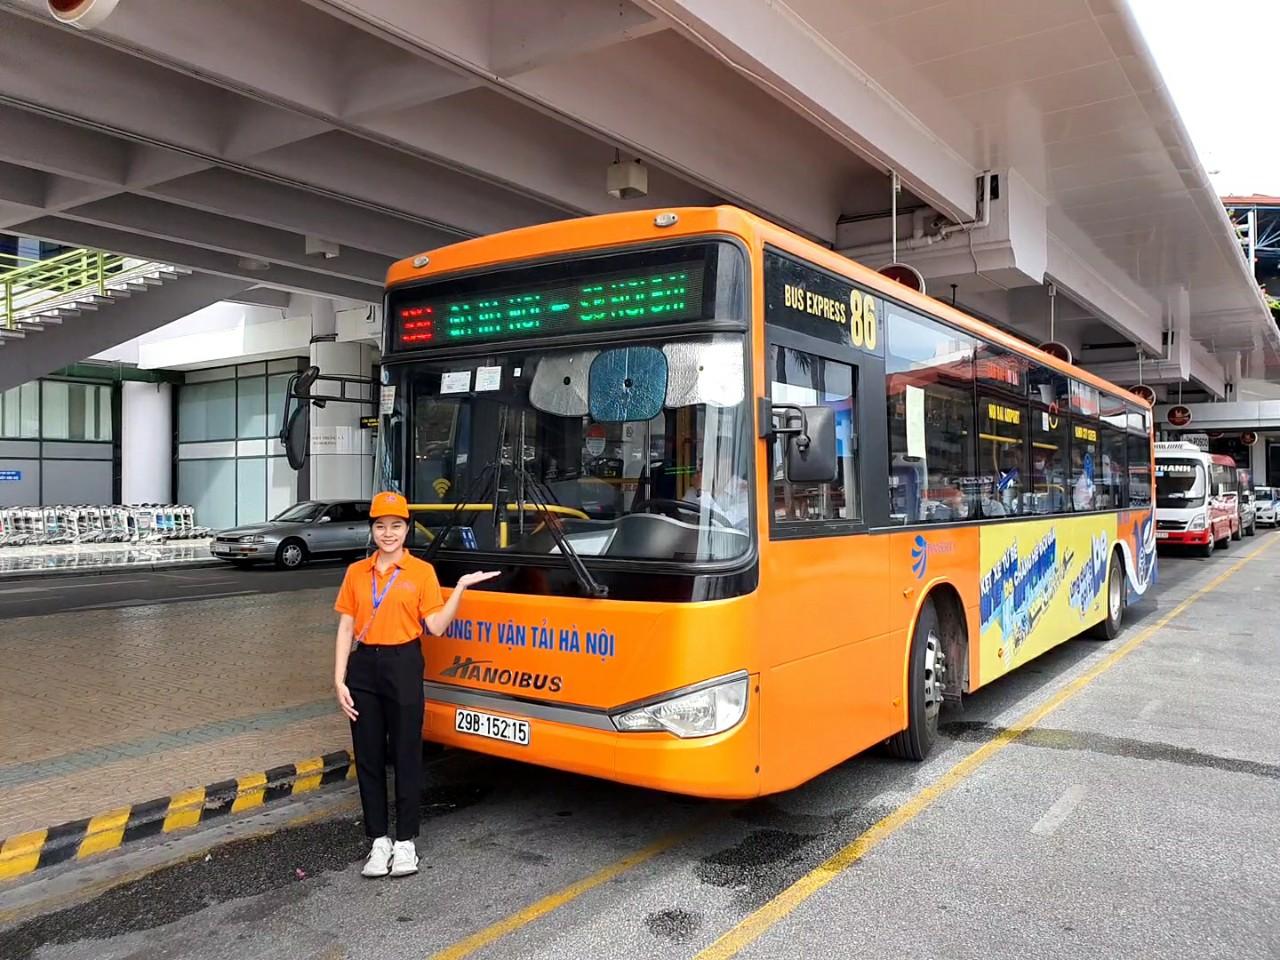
(862, 320)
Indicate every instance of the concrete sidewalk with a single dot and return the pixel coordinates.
(39, 561)
(104, 708)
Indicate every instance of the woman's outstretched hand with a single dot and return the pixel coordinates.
(470, 579)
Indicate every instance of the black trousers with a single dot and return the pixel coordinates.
(386, 686)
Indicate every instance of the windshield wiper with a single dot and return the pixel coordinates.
(592, 586)
(476, 490)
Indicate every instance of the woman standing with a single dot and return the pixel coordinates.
(377, 675)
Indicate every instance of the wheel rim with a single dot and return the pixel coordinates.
(1113, 592)
(935, 672)
(292, 555)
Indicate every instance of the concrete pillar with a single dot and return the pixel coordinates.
(146, 442)
(341, 461)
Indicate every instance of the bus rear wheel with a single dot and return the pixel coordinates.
(925, 681)
(1109, 628)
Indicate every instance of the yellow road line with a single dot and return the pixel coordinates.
(758, 923)
(541, 908)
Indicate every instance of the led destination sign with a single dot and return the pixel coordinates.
(662, 293)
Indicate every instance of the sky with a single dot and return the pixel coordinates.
(1220, 79)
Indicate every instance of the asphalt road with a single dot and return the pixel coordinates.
(1136, 814)
(62, 593)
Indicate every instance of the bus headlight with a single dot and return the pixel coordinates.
(1198, 522)
(712, 709)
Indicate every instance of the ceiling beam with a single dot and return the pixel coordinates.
(81, 234)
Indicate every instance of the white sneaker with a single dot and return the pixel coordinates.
(405, 859)
(379, 862)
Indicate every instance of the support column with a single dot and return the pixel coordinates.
(146, 442)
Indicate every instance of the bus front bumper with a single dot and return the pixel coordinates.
(724, 765)
(1184, 537)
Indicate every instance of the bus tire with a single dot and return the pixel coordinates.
(925, 677)
(1110, 625)
(1237, 534)
(1206, 549)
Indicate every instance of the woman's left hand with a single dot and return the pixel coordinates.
(470, 579)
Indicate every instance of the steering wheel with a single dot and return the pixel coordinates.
(672, 508)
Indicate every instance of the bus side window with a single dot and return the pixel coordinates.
(929, 390)
(1139, 471)
(805, 380)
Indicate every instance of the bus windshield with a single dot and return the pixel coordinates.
(642, 451)
(1180, 484)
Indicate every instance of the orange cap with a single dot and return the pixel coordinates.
(388, 504)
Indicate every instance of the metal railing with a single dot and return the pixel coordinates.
(40, 286)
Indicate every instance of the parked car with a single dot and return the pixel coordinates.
(1265, 505)
(1248, 512)
(312, 528)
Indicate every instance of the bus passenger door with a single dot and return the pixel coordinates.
(830, 676)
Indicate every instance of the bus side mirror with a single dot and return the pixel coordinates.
(811, 455)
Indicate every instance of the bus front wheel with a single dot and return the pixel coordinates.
(925, 681)
(1110, 625)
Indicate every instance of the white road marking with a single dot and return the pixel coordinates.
(1192, 660)
(1151, 707)
(1056, 815)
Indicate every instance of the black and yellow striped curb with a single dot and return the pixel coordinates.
(24, 853)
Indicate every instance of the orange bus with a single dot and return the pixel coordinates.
(755, 507)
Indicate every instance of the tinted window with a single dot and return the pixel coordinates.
(807, 380)
(997, 367)
(1002, 457)
(930, 411)
(1114, 482)
(361, 511)
(1049, 387)
(1139, 471)
(1084, 399)
(1049, 488)
(1084, 465)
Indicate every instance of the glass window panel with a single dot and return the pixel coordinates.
(251, 408)
(82, 414)
(30, 393)
(930, 411)
(1048, 387)
(1049, 489)
(1002, 457)
(11, 413)
(276, 386)
(221, 401)
(1139, 471)
(282, 486)
(56, 423)
(1113, 487)
(805, 379)
(1084, 465)
(104, 412)
(1084, 399)
(210, 487)
(998, 367)
(251, 490)
(192, 412)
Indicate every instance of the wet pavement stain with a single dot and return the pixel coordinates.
(737, 866)
(259, 867)
(676, 925)
(1048, 738)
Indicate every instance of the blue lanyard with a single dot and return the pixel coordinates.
(379, 597)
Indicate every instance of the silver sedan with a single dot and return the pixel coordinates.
(313, 528)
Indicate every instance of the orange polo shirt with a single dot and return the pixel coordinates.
(414, 596)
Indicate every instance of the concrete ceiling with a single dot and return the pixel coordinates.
(218, 134)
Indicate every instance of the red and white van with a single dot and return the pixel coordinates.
(1197, 497)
